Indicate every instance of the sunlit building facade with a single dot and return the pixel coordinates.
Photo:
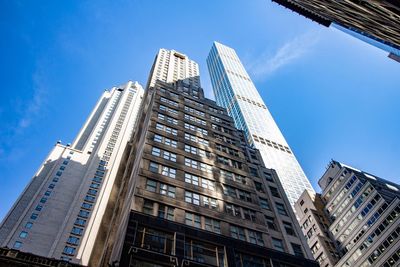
(59, 213)
(235, 91)
(195, 193)
(355, 221)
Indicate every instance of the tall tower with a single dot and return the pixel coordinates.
(235, 91)
(195, 193)
(59, 213)
(170, 66)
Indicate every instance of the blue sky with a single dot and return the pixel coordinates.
(332, 95)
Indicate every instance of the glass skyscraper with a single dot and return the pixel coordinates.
(235, 91)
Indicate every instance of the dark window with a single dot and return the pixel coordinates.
(274, 191)
(270, 223)
(297, 250)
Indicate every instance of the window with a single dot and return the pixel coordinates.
(281, 209)
(167, 119)
(209, 202)
(259, 187)
(194, 119)
(196, 139)
(198, 165)
(62, 168)
(80, 222)
(148, 207)
(249, 215)
(39, 208)
(237, 232)
(151, 185)
(43, 200)
(253, 172)
(155, 151)
(167, 190)
(165, 140)
(191, 197)
(166, 129)
(167, 109)
(270, 221)
(278, 244)
(34, 216)
(194, 111)
(289, 228)
(232, 176)
(195, 128)
(73, 240)
(196, 151)
(83, 214)
(76, 231)
(17, 244)
(229, 191)
(255, 238)
(193, 219)
(28, 225)
(165, 212)
(274, 191)
(164, 170)
(168, 101)
(69, 250)
(47, 193)
(23, 234)
(212, 225)
(90, 198)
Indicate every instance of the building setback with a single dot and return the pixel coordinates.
(59, 213)
(355, 221)
(195, 193)
(376, 22)
(235, 91)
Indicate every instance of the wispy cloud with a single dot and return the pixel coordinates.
(34, 105)
(289, 52)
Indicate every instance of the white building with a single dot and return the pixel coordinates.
(59, 213)
(235, 91)
(171, 66)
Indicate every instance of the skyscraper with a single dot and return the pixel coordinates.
(355, 221)
(235, 91)
(378, 22)
(195, 193)
(59, 212)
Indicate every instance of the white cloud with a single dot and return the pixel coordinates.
(289, 52)
(34, 105)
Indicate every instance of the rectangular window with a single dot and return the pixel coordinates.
(69, 250)
(148, 207)
(194, 111)
(196, 139)
(274, 191)
(167, 190)
(264, 203)
(151, 185)
(76, 231)
(28, 225)
(166, 129)
(193, 198)
(212, 225)
(270, 221)
(255, 238)
(165, 212)
(165, 140)
(168, 101)
(194, 119)
(196, 151)
(161, 169)
(198, 165)
(73, 240)
(195, 128)
(237, 232)
(281, 209)
(192, 220)
(278, 244)
(167, 119)
(155, 151)
(289, 228)
(297, 250)
(169, 110)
